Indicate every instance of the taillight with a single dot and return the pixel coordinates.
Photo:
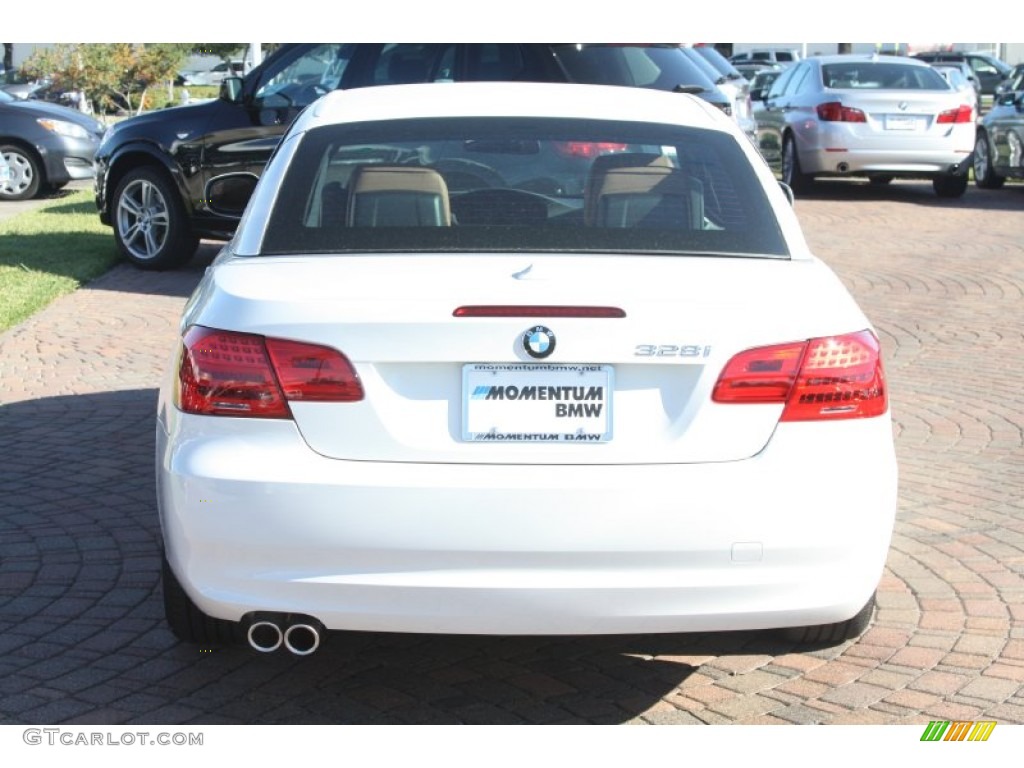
(835, 112)
(588, 149)
(837, 377)
(962, 114)
(223, 373)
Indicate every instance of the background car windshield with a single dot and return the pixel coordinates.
(879, 75)
(502, 184)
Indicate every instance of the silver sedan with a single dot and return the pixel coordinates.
(872, 116)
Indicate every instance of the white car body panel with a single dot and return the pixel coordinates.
(258, 522)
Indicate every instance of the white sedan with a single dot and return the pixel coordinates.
(502, 358)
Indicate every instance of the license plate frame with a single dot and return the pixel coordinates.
(537, 403)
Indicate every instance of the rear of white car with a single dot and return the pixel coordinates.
(618, 425)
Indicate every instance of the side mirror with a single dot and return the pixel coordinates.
(231, 89)
(1008, 98)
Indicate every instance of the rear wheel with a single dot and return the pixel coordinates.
(187, 622)
(150, 225)
(833, 634)
(985, 175)
(26, 174)
(792, 175)
(950, 185)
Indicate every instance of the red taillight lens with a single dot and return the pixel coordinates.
(588, 149)
(837, 377)
(962, 114)
(313, 373)
(835, 112)
(223, 373)
(762, 375)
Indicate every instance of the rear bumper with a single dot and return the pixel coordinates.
(255, 521)
(837, 149)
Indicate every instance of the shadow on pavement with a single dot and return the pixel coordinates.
(1009, 198)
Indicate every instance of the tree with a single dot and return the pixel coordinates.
(109, 73)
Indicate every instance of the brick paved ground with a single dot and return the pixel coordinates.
(82, 638)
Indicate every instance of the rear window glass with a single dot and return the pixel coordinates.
(881, 75)
(513, 185)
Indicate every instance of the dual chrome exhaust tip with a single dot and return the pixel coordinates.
(300, 635)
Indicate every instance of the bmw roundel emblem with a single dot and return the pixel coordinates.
(539, 342)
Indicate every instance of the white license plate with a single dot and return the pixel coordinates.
(523, 402)
(904, 123)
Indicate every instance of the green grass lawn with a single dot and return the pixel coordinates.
(51, 251)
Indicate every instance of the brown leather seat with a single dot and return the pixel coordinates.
(397, 196)
(651, 195)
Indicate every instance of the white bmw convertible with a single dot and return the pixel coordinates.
(501, 358)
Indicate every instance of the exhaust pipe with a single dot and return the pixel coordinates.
(303, 639)
(265, 636)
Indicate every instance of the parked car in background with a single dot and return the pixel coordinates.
(213, 76)
(761, 82)
(396, 406)
(167, 178)
(752, 69)
(22, 88)
(783, 56)
(999, 149)
(989, 70)
(45, 145)
(1013, 81)
(734, 84)
(767, 141)
(870, 116)
(962, 78)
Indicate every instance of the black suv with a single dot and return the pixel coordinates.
(168, 178)
(988, 70)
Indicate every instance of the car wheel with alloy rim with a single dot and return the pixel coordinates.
(792, 175)
(149, 221)
(26, 174)
(984, 174)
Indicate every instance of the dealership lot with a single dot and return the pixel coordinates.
(82, 637)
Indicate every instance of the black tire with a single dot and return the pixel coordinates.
(187, 622)
(985, 175)
(950, 185)
(150, 225)
(833, 634)
(27, 173)
(792, 175)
